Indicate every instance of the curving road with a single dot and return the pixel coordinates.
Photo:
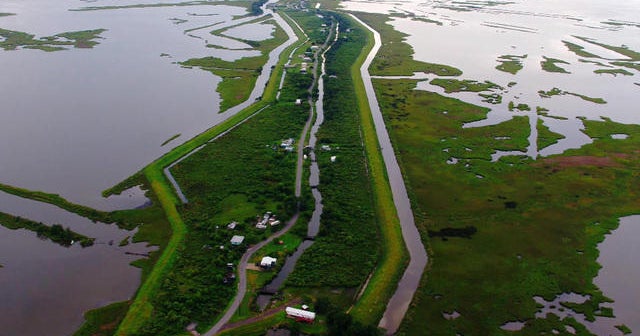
(399, 303)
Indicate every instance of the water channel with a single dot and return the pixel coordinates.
(399, 303)
(313, 227)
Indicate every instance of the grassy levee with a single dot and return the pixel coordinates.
(383, 282)
(141, 309)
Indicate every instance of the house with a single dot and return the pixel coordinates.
(232, 225)
(237, 240)
(300, 315)
(268, 262)
(333, 158)
(298, 101)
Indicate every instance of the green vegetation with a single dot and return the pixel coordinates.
(7, 14)
(186, 261)
(622, 50)
(538, 222)
(256, 176)
(103, 321)
(579, 50)
(510, 63)
(546, 137)
(551, 65)
(239, 77)
(423, 19)
(520, 107)
(455, 85)
(170, 139)
(394, 57)
(79, 39)
(614, 72)
(347, 239)
(624, 329)
(56, 233)
(557, 92)
(60, 202)
(629, 65)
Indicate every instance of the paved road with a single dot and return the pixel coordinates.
(242, 275)
(399, 303)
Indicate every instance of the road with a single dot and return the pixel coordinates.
(242, 276)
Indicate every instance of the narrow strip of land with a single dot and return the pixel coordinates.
(242, 266)
(399, 303)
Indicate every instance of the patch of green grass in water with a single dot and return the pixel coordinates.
(557, 92)
(579, 50)
(55, 233)
(510, 63)
(455, 85)
(614, 72)
(78, 39)
(622, 50)
(546, 137)
(551, 65)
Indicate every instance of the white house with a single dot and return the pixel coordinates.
(237, 240)
(268, 262)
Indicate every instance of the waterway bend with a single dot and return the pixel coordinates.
(399, 303)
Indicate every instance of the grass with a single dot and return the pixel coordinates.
(238, 77)
(103, 321)
(630, 65)
(60, 202)
(55, 233)
(510, 63)
(392, 59)
(166, 142)
(78, 39)
(455, 85)
(632, 55)
(579, 50)
(557, 92)
(614, 72)
(551, 65)
(546, 137)
(534, 219)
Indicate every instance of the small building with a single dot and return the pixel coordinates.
(300, 315)
(298, 101)
(268, 262)
(237, 240)
(232, 225)
(333, 158)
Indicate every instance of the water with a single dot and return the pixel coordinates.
(45, 287)
(619, 276)
(399, 302)
(535, 29)
(78, 121)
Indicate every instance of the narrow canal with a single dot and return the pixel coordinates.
(399, 303)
